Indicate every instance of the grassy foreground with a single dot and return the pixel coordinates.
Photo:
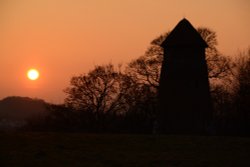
(76, 149)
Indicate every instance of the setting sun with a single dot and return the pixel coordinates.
(33, 74)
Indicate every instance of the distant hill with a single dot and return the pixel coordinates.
(15, 111)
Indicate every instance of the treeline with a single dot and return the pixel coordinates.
(124, 99)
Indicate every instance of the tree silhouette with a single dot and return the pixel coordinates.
(102, 90)
(109, 99)
(243, 91)
(232, 114)
(127, 100)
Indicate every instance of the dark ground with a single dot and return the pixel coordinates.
(75, 149)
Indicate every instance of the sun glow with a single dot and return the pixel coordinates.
(33, 74)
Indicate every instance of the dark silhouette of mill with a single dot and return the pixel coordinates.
(184, 96)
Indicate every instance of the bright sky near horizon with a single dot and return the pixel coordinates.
(63, 38)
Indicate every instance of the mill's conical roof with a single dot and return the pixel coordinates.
(184, 35)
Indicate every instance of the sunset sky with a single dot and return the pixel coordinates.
(63, 38)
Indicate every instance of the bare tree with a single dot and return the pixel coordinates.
(102, 90)
(146, 69)
(243, 90)
(243, 73)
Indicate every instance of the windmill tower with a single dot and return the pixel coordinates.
(184, 96)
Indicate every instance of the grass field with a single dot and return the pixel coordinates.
(80, 150)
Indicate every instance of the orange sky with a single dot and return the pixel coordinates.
(62, 38)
